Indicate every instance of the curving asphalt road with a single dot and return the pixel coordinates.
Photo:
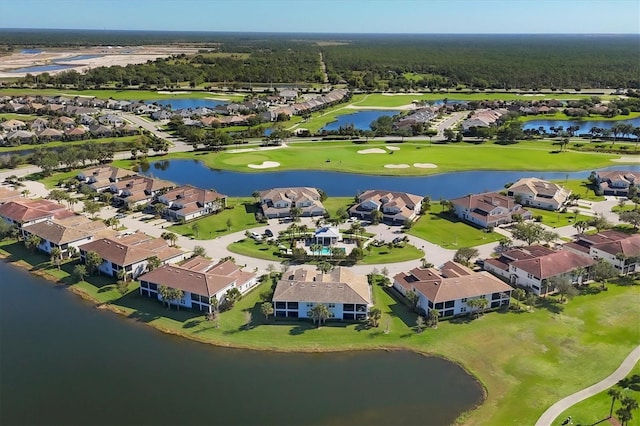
(559, 407)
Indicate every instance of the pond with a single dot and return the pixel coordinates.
(585, 125)
(445, 185)
(79, 58)
(30, 51)
(41, 68)
(182, 103)
(65, 362)
(361, 120)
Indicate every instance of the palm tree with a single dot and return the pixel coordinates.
(316, 248)
(624, 415)
(166, 293)
(615, 395)
(177, 295)
(153, 262)
(267, 309)
(374, 317)
(629, 403)
(320, 313)
(518, 294)
(433, 317)
(56, 256)
(32, 242)
(295, 213)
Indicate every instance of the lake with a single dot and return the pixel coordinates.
(179, 103)
(79, 58)
(65, 362)
(41, 68)
(445, 185)
(585, 125)
(361, 120)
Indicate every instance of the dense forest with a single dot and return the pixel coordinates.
(368, 62)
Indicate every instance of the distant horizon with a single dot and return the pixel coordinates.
(8, 29)
(330, 16)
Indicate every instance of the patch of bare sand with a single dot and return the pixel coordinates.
(396, 166)
(425, 165)
(392, 148)
(635, 159)
(372, 151)
(264, 165)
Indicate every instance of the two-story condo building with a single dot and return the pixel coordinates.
(26, 212)
(185, 203)
(488, 209)
(277, 202)
(539, 193)
(346, 295)
(617, 248)
(617, 182)
(7, 195)
(102, 177)
(396, 207)
(533, 266)
(449, 289)
(138, 190)
(130, 253)
(72, 231)
(199, 279)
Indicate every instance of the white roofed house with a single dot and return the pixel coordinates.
(277, 202)
(188, 202)
(617, 248)
(488, 209)
(396, 207)
(138, 190)
(539, 193)
(617, 182)
(451, 288)
(199, 279)
(346, 295)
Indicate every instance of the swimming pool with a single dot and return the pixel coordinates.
(326, 251)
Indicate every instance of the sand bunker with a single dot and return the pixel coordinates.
(392, 148)
(627, 160)
(425, 165)
(165, 92)
(396, 166)
(372, 151)
(264, 165)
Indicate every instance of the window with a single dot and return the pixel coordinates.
(349, 307)
(153, 286)
(331, 305)
(464, 300)
(529, 275)
(495, 296)
(309, 305)
(281, 305)
(439, 305)
(449, 304)
(292, 305)
(195, 297)
(463, 309)
(144, 284)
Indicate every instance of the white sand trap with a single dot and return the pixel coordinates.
(261, 148)
(392, 148)
(167, 92)
(264, 165)
(532, 94)
(372, 151)
(219, 99)
(627, 160)
(425, 165)
(396, 166)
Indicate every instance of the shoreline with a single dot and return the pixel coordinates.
(219, 344)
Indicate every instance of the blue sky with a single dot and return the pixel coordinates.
(330, 16)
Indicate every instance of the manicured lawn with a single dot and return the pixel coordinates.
(344, 157)
(332, 204)
(557, 219)
(385, 255)
(242, 216)
(52, 181)
(526, 361)
(625, 208)
(252, 248)
(17, 149)
(596, 408)
(582, 188)
(449, 232)
(564, 117)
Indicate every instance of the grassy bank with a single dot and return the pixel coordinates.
(239, 215)
(57, 144)
(344, 157)
(596, 408)
(129, 95)
(561, 116)
(548, 353)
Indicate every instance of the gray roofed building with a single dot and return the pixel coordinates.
(277, 202)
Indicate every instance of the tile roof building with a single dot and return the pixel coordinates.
(533, 266)
(617, 182)
(617, 248)
(449, 289)
(187, 202)
(277, 202)
(26, 212)
(347, 295)
(539, 193)
(101, 177)
(488, 209)
(396, 207)
(138, 190)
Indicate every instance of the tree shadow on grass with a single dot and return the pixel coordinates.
(147, 309)
(550, 305)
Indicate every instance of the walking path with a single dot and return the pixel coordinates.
(559, 407)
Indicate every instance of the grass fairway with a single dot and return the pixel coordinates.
(449, 232)
(344, 157)
(527, 361)
(596, 408)
(241, 212)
